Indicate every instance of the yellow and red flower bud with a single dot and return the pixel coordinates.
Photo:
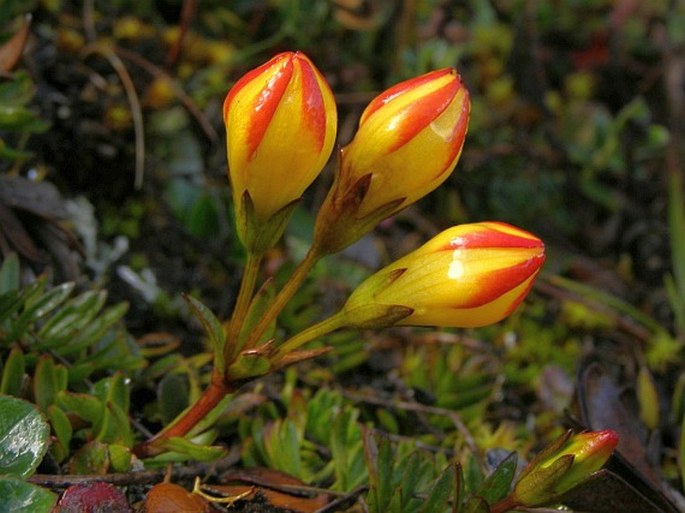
(408, 142)
(563, 465)
(281, 122)
(469, 275)
(409, 139)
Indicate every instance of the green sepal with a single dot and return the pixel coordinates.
(338, 225)
(258, 235)
(375, 316)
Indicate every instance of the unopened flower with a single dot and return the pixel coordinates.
(562, 466)
(281, 123)
(469, 275)
(408, 142)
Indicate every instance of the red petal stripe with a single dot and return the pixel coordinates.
(419, 114)
(493, 238)
(267, 101)
(500, 281)
(313, 108)
(398, 89)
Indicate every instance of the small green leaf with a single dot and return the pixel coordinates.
(441, 492)
(260, 304)
(24, 435)
(120, 457)
(86, 406)
(477, 505)
(193, 451)
(61, 426)
(497, 484)
(13, 373)
(40, 306)
(213, 328)
(114, 426)
(113, 389)
(74, 315)
(50, 378)
(92, 458)
(17, 496)
(9, 274)
(172, 392)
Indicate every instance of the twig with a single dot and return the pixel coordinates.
(134, 103)
(419, 408)
(186, 100)
(139, 478)
(344, 502)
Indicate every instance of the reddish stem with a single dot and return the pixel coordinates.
(506, 504)
(210, 398)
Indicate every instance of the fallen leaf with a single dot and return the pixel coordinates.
(277, 489)
(173, 498)
(95, 497)
(11, 51)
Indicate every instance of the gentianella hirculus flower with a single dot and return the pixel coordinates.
(562, 466)
(409, 140)
(468, 275)
(281, 123)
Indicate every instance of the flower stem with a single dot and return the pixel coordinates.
(324, 327)
(285, 295)
(506, 504)
(242, 306)
(182, 425)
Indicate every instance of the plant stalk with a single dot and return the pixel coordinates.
(242, 306)
(324, 327)
(183, 424)
(506, 504)
(285, 295)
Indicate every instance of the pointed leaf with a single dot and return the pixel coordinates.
(497, 484)
(213, 328)
(40, 306)
(193, 451)
(86, 406)
(13, 373)
(440, 494)
(9, 273)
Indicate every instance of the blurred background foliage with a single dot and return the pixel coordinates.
(112, 175)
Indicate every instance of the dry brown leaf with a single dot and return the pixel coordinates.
(11, 51)
(173, 498)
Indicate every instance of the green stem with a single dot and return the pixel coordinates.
(285, 295)
(242, 305)
(324, 327)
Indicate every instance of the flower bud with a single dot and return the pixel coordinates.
(563, 465)
(409, 140)
(469, 275)
(281, 122)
